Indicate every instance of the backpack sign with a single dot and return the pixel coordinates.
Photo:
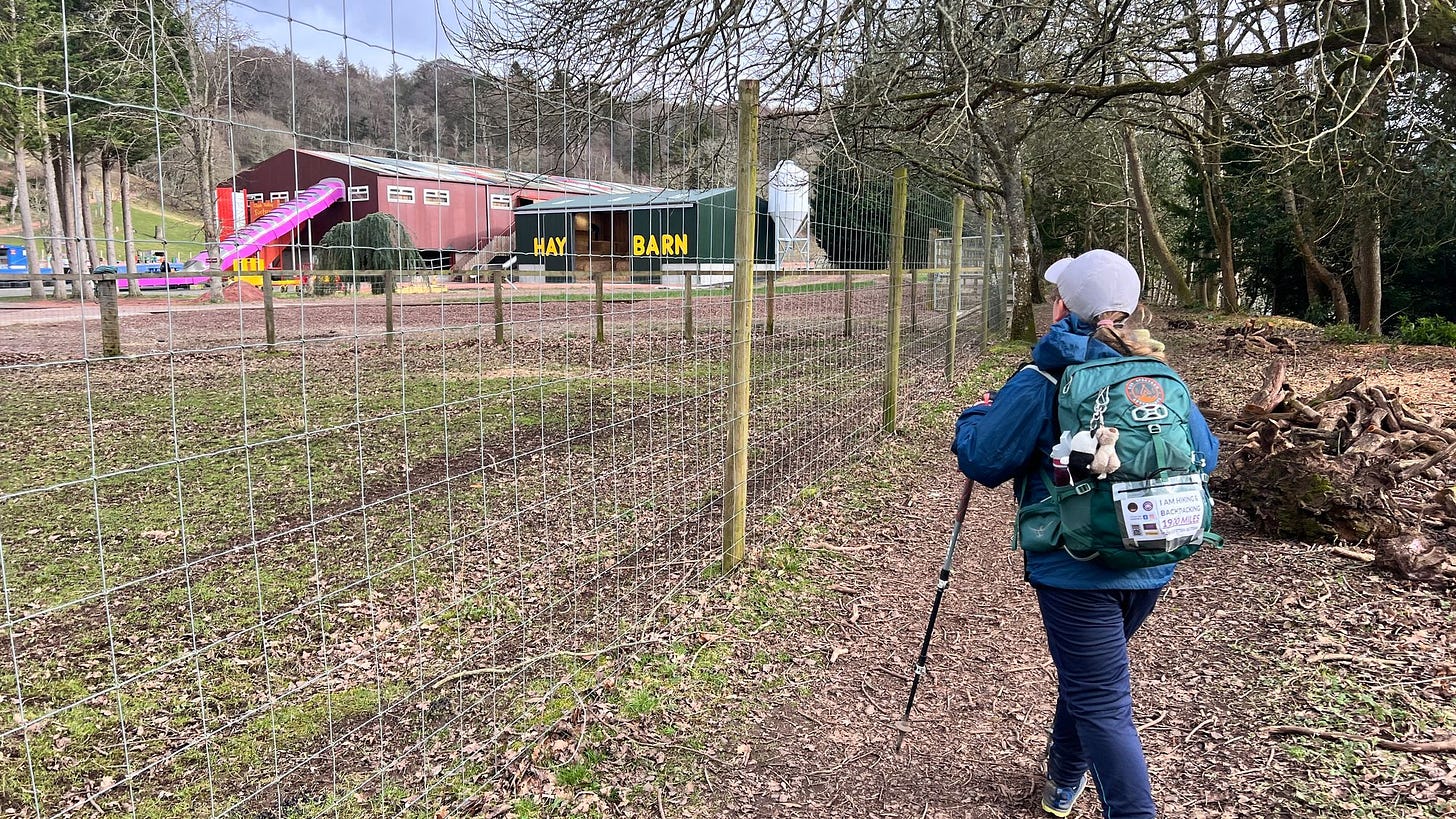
(1152, 505)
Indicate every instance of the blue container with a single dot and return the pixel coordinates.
(15, 258)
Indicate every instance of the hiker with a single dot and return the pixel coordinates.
(1094, 590)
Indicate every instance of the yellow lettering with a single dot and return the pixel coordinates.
(558, 246)
(538, 245)
(652, 249)
(639, 245)
(682, 244)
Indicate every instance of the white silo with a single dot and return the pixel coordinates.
(788, 205)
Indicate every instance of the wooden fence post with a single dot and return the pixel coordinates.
(270, 331)
(601, 307)
(688, 305)
(848, 304)
(986, 271)
(768, 327)
(105, 287)
(897, 297)
(914, 297)
(735, 471)
(388, 305)
(497, 278)
(953, 301)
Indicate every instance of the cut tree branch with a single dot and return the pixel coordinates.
(1443, 746)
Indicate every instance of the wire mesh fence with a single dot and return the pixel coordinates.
(405, 434)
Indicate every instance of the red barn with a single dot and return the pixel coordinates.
(458, 215)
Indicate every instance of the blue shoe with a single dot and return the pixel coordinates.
(1058, 801)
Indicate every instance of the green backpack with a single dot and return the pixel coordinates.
(1155, 508)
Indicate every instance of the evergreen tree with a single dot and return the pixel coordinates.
(377, 242)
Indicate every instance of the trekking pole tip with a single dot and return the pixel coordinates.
(903, 727)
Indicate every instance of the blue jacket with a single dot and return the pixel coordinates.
(1012, 438)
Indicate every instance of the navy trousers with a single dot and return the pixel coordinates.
(1087, 631)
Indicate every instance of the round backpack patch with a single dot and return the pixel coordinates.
(1143, 391)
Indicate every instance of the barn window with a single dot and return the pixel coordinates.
(400, 193)
(436, 197)
(500, 201)
(255, 197)
(278, 196)
(359, 193)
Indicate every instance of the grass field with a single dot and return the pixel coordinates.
(182, 231)
(338, 576)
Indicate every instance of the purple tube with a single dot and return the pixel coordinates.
(274, 225)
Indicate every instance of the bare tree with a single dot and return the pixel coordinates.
(81, 169)
(1172, 271)
(108, 219)
(128, 229)
(27, 219)
(1315, 269)
(943, 85)
(57, 230)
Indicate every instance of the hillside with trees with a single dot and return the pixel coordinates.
(1296, 159)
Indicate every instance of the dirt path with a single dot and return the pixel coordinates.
(1259, 634)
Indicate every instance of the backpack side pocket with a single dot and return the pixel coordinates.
(1089, 522)
(1038, 527)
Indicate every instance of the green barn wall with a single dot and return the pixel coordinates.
(657, 222)
(545, 226)
(707, 223)
(717, 217)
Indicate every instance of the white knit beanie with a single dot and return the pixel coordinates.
(1097, 282)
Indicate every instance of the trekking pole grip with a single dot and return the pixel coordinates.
(965, 501)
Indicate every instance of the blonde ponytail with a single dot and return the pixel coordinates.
(1113, 331)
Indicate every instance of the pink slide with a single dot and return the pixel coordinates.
(278, 222)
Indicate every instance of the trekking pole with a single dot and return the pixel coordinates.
(940, 586)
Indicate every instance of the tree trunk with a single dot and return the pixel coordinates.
(1313, 293)
(206, 185)
(207, 197)
(1367, 269)
(1023, 322)
(88, 219)
(1228, 276)
(75, 247)
(1220, 224)
(1171, 270)
(1037, 249)
(128, 233)
(27, 220)
(55, 216)
(1302, 494)
(108, 220)
(1313, 267)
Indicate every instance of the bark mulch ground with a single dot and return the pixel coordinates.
(1259, 634)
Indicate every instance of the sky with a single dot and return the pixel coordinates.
(316, 28)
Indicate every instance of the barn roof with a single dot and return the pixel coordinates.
(471, 175)
(623, 201)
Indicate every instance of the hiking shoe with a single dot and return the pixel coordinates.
(1058, 801)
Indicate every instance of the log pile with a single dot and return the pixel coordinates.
(1251, 338)
(1352, 463)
